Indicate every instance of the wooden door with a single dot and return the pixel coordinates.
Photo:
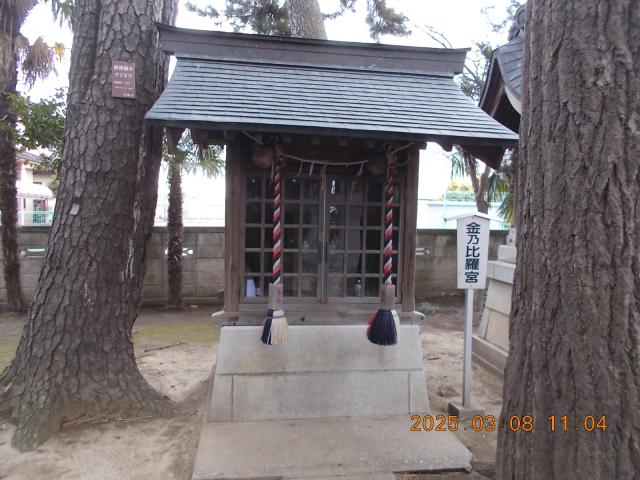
(353, 238)
(333, 228)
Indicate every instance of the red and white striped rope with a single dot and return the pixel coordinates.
(388, 221)
(277, 227)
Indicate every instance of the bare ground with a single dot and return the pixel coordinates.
(137, 448)
(176, 352)
(442, 346)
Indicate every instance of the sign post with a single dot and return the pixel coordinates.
(472, 253)
(468, 335)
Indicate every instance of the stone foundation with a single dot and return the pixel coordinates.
(491, 342)
(322, 371)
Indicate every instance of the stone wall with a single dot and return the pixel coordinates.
(436, 252)
(491, 340)
(204, 263)
(32, 242)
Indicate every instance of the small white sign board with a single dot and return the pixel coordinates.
(473, 250)
(473, 253)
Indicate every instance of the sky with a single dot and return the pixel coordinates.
(461, 21)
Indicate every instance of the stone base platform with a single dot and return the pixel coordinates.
(326, 403)
(324, 447)
(322, 371)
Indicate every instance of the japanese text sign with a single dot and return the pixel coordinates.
(473, 250)
(123, 79)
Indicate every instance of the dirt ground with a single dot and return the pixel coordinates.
(144, 449)
(442, 347)
(176, 353)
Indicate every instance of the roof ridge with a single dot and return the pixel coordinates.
(311, 66)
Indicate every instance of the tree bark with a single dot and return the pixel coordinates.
(305, 19)
(575, 341)
(175, 233)
(11, 18)
(76, 356)
(481, 195)
(512, 176)
(479, 185)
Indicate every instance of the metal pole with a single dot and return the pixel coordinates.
(468, 331)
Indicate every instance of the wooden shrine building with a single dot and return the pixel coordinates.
(333, 111)
(502, 92)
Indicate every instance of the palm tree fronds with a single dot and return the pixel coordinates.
(497, 187)
(458, 165)
(63, 11)
(210, 162)
(59, 49)
(193, 158)
(505, 210)
(38, 61)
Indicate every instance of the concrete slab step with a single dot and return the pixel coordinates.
(338, 446)
(362, 476)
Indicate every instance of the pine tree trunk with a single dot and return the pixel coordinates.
(575, 325)
(76, 355)
(305, 19)
(10, 22)
(175, 233)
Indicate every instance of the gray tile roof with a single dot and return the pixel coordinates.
(509, 57)
(256, 96)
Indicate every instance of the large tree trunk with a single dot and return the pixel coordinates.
(175, 234)
(479, 185)
(305, 19)
(76, 357)
(10, 21)
(575, 324)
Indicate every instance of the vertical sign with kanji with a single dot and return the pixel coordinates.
(473, 250)
(123, 79)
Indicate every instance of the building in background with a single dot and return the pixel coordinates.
(202, 199)
(35, 199)
(458, 198)
(434, 213)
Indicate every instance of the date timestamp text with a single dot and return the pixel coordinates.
(514, 423)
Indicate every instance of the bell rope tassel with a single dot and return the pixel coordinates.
(383, 326)
(275, 330)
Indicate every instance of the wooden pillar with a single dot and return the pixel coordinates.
(408, 247)
(232, 241)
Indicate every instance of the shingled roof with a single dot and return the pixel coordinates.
(509, 58)
(240, 82)
(502, 93)
(504, 78)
